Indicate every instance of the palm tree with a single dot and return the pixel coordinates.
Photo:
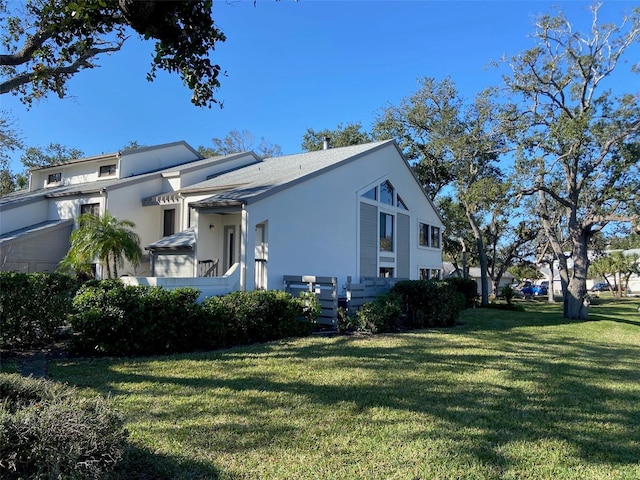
(106, 238)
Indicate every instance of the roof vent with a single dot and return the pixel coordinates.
(325, 143)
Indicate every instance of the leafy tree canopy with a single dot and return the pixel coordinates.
(579, 143)
(240, 141)
(46, 42)
(341, 136)
(52, 154)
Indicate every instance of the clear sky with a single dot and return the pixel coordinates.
(292, 66)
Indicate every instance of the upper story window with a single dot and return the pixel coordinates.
(371, 194)
(91, 208)
(107, 170)
(423, 234)
(386, 232)
(385, 193)
(435, 237)
(54, 177)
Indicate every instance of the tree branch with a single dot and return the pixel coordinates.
(53, 72)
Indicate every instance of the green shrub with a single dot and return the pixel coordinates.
(33, 307)
(383, 314)
(429, 303)
(48, 431)
(262, 315)
(116, 319)
(508, 293)
(467, 287)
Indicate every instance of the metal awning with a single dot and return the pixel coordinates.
(184, 240)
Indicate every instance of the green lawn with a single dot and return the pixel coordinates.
(505, 395)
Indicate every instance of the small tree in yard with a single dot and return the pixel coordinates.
(106, 238)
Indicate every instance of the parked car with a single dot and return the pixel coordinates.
(533, 290)
(603, 287)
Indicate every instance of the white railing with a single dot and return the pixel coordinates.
(208, 286)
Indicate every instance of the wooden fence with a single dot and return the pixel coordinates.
(326, 289)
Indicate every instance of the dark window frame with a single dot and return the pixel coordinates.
(107, 170)
(54, 178)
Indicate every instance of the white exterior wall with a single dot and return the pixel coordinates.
(23, 216)
(136, 162)
(211, 241)
(194, 176)
(66, 208)
(82, 172)
(313, 226)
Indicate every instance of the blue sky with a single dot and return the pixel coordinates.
(292, 66)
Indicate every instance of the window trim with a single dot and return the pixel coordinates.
(112, 169)
(57, 178)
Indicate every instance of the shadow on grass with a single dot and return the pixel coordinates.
(142, 464)
(491, 376)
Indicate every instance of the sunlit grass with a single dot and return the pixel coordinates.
(510, 395)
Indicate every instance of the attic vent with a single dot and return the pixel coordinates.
(325, 143)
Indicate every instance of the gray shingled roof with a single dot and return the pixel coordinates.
(22, 197)
(260, 179)
(184, 240)
(38, 227)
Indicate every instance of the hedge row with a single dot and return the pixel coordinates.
(411, 304)
(115, 319)
(48, 430)
(33, 307)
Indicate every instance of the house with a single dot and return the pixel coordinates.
(237, 221)
(474, 273)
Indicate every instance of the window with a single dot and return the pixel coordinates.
(386, 232)
(387, 193)
(386, 272)
(54, 177)
(429, 274)
(401, 204)
(371, 194)
(106, 170)
(90, 208)
(423, 234)
(435, 237)
(169, 222)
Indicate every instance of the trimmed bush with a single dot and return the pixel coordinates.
(48, 431)
(467, 287)
(116, 319)
(262, 315)
(33, 307)
(383, 314)
(429, 303)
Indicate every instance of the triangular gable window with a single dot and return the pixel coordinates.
(387, 193)
(371, 194)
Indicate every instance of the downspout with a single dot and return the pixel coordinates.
(243, 248)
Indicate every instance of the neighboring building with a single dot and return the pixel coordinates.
(475, 274)
(237, 221)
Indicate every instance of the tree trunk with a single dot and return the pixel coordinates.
(482, 254)
(484, 278)
(576, 304)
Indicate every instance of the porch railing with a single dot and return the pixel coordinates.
(208, 286)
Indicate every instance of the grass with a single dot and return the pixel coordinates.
(505, 395)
